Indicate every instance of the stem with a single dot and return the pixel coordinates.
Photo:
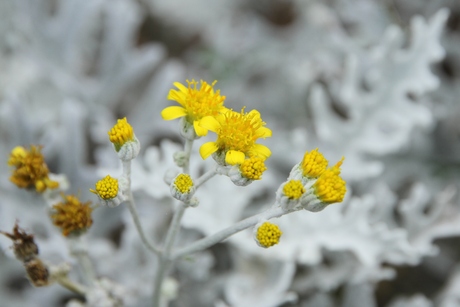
(70, 285)
(227, 232)
(79, 250)
(133, 210)
(205, 177)
(164, 262)
(188, 150)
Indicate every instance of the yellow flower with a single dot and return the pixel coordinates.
(313, 164)
(121, 133)
(330, 187)
(253, 168)
(72, 215)
(195, 103)
(237, 134)
(293, 189)
(106, 188)
(268, 234)
(30, 169)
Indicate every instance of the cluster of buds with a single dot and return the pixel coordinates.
(26, 250)
(311, 185)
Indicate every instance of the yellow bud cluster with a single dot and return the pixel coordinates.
(121, 133)
(183, 183)
(313, 164)
(72, 215)
(106, 188)
(293, 189)
(253, 168)
(330, 187)
(268, 234)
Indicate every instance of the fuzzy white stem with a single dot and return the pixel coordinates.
(165, 259)
(205, 177)
(79, 250)
(227, 232)
(70, 285)
(188, 150)
(133, 210)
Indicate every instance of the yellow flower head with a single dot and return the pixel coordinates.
(268, 234)
(237, 134)
(106, 188)
(121, 133)
(330, 187)
(313, 164)
(30, 169)
(253, 168)
(196, 103)
(293, 189)
(71, 215)
(183, 183)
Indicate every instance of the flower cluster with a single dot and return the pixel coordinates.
(311, 185)
(30, 169)
(237, 132)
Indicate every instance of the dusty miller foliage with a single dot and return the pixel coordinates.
(374, 81)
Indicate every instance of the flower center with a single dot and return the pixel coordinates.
(203, 101)
(330, 187)
(268, 234)
(106, 188)
(183, 183)
(313, 164)
(293, 189)
(253, 168)
(239, 131)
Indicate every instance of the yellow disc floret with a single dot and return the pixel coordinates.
(30, 169)
(106, 188)
(253, 168)
(237, 134)
(195, 102)
(313, 164)
(330, 187)
(268, 234)
(71, 215)
(293, 189)
(183, 183)
(121, 133)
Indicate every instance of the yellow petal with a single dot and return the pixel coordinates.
(264, 132)
(208, 149)
(181, 87)
(200, 131)
(261, 150)
(234, 157)
(210, 123)
(177, 96)
(173, 112)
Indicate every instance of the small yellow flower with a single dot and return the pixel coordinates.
(237, 134)
(106, 188)
(268, 234)
(195, 103)
(293, 189)
(330, 187)
(253, 168)
(183, 183)
(71, 215)
(313, 164)
(121, 133)
(30, 169)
